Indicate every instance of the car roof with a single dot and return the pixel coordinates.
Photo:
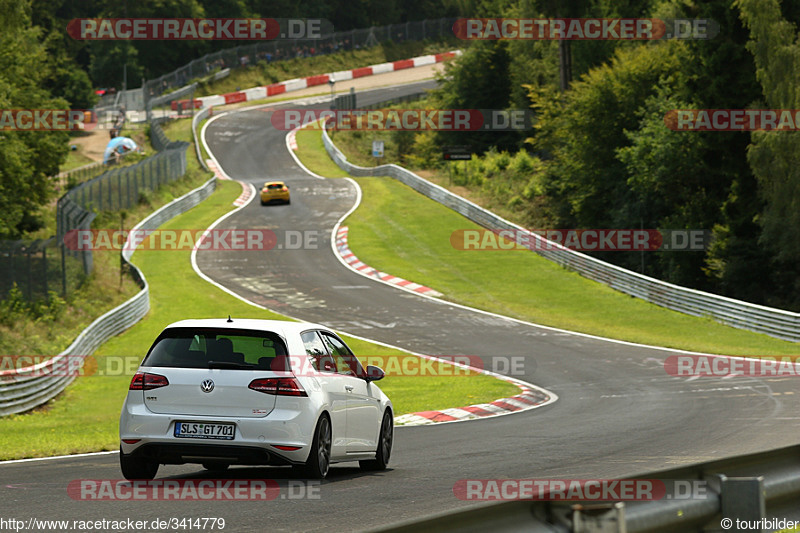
(283, 327)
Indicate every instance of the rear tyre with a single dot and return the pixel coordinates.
(216, 466)
(384, 451)
(136, 468)
(319, 459)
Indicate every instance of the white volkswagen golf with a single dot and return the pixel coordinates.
(232, 392)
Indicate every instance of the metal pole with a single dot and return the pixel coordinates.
(44, 271)
(63, 270)
(30, 277)
(13, 274)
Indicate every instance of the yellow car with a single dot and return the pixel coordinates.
(275, 191)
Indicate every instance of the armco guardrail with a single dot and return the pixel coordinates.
(198, 117)
(24, 389)
(775, 322)
(757, 487)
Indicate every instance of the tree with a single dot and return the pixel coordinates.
(27, 158)
(582, 132)
(478, 80)
(775, 156)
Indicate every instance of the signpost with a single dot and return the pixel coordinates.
(456, 153)
(377, 148)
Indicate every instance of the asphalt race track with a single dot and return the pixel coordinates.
(619, 413)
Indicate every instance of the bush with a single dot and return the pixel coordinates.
(425, 151)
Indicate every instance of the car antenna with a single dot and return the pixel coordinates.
(229, 319)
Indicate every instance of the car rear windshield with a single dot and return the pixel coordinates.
(275, 186)
(218, 348)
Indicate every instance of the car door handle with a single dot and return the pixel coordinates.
(348, 388)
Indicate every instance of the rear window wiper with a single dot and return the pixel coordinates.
(229, 365)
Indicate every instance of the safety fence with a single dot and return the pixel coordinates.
(276, 50)
(24, 389)
(35, 268)
(70, 178)
(121, 188)
(775, 322)
(31, 270)
(160, 109)
(114, 190)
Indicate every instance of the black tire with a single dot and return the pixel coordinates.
(135, 468)
(384, 451)
(288, 202)
(216, 466)
(319, 459)
(263, 202)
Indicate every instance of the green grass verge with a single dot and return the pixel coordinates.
(75, 159)
(399, 231)
(85, 417)
(314, 156)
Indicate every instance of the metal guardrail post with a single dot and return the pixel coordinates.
(599, 518)
(742, 498)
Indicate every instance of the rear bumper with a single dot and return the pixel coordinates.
(254, 440)
(181, 453)
(270, 199)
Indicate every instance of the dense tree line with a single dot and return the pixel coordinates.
(43, 67)
(104, 60)
(28, 158)
(599, 155)
(605, 159)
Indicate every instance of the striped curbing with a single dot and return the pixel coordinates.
(247, 189)
(259, 93)
(353, 262)
(529, 398)
(291, 139)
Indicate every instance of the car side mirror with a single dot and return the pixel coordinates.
(374, 373)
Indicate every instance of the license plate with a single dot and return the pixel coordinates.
(204, 430)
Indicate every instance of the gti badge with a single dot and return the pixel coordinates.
(207, 385)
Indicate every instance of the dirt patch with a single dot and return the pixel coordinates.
(92, 144)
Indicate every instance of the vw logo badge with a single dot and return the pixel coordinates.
(207, 385)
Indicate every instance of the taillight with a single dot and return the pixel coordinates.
(278, 386)
(147, 381)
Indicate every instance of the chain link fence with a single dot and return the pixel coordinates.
(37, 268)
(277, 50)
(24, 389)
(160, 109)
(121, 188)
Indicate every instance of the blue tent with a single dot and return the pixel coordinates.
(118, 145)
